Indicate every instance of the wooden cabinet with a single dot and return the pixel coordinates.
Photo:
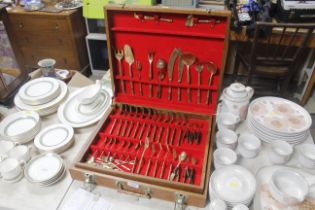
(38, 35)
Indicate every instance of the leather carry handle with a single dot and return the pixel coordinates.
(122, 189)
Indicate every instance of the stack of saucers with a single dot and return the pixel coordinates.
(85, 106)
(43, 95)
(233, 184)
(55, 138)
(272, 119)
(20, 127)
(45, 169)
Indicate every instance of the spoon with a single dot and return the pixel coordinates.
(199, 68)
(160, 65)
(129, 58)
(188, 60)
(212, 68)
(182, 156)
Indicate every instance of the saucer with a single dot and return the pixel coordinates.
(15, 179)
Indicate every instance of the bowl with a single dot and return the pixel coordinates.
(288, 187)
(226, 138)
(227, 120)
(89, 94)
(224, 157)
(307, 155)
(248, 145)
(280, 152)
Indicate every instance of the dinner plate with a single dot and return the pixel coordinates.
(21, 126)
(54, 138)
(69, 114)
(43, 168)
(280, 115)
(233, 183)
(39, 91)
(47, 108)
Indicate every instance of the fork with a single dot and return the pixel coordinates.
(139, 68)
(119, 54)
(150, 59)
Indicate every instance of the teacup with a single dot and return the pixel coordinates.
(21, 153)
(5, 147)
(280, 152)
(226, 138)
(248, 145)
(307, 155)
(10, 168)
(224, 157)
(47, 67)
(227, 120)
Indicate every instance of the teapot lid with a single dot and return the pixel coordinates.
(236, 92)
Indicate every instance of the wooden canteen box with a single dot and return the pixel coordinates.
(156, 140)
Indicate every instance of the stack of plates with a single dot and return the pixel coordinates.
(43, 95)
(55, 138)
(20, 127)
(233, 184)
(79, 113)
(272, 118)
(45, 169)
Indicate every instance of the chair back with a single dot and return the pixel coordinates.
(279, 44)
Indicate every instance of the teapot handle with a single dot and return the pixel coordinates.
(250, 91)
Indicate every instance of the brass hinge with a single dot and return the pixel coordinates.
(180, 201)
(89, 182)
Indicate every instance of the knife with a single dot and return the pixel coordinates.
(180, 75)
(170, 69)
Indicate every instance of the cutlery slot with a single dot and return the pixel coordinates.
(169, 135)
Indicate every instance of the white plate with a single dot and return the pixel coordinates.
(267, 138)
(43, 168)
(54, 138)
(19, 124)
(264, 200)
(75, 5)
(233, 183)
(280, 115)
(39, 91)
(42, 109)
(68, 112)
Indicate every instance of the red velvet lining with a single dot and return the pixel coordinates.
(105, 146)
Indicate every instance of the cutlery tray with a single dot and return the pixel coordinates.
(156, 140)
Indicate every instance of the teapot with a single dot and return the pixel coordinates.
(235, 99)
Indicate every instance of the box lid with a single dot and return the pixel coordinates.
(176, 38)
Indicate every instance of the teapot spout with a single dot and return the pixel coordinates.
(250, 92)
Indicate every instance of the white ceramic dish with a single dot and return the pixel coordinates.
(89, 94)
(68, 114)
(55, 138)
(233, 184)
(288, 187)
(307, 155)
(263, 200)
(224, 157)
(226, 138)
(248, 145)
(280, 152)
(47, 108)
(280, 115)
(227, 120)
(44, 169)
(5, 147)
(39, 91)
